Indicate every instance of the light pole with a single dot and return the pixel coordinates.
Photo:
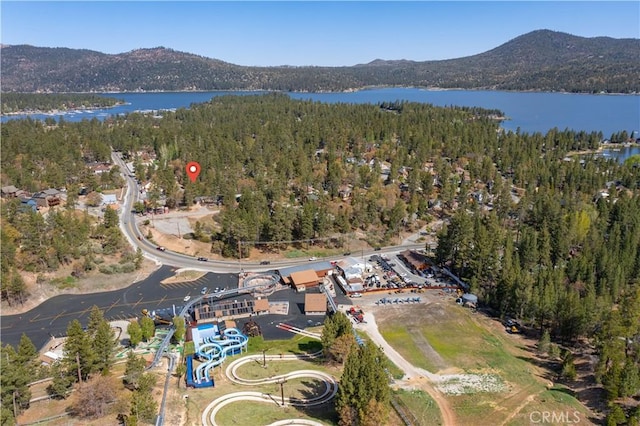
(281, 382)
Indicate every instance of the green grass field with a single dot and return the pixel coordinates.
(254, 413)
(423, 408)
(468, 343)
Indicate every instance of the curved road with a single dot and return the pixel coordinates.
(52, 317)
(136, 239)
(330, 384)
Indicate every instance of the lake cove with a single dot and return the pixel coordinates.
(527, 111)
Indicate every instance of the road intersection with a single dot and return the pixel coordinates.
(51, 318)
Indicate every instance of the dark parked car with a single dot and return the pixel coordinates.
(161, 248)
(265, 262)
(202, 259)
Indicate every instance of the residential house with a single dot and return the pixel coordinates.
(345, 192)
(109, 199)
(41, 199)
(9, 191)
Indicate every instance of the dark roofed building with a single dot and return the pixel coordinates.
(51, 192)
(418, 261)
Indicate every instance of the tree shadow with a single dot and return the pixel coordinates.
(585, 388)
(310, 346)
(313, 388)
(550, 367)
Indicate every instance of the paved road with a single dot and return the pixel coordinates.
(136, 239)
(53, 316)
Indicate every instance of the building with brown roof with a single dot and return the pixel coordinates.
(315, 304)
(304, 279)
(418, 261)
(261, 306)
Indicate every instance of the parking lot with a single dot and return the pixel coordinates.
(391, 273)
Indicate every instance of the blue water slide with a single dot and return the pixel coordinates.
(215, 351)
(211, 352)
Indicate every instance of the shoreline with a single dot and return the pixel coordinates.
(348, 90)
(604, 147)
(55, 112)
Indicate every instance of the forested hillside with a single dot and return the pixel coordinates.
(541, 60)
(539, 235)
(20, 102)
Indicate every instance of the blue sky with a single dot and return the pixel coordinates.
(304, 32)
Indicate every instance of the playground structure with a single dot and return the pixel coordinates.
(212, 346)
(329, 392)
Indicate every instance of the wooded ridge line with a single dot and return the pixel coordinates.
(541, 60)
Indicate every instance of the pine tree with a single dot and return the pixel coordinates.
(139, 258)
(148, 328)
(180, 329)
(568, 367)
(337, 337)
(135, 333)
(103, 345)
(16, 374)
(78, 354)
(143, 405)
(616, 416)
(544, 342)
(181, 369)
(364, 379)
(60, 385)
(134, 370)
(630, 378)
(27, 353)
(96, 317)
(6, 417)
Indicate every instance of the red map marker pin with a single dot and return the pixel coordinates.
(193, 170)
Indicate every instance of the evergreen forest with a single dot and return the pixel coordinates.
(539, 234)
(20, 102)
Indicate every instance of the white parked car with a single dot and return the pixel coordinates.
(186, 298)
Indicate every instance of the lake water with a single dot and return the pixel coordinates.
(528, 111)
(621, 154)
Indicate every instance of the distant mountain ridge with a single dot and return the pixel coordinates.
(541, 60)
